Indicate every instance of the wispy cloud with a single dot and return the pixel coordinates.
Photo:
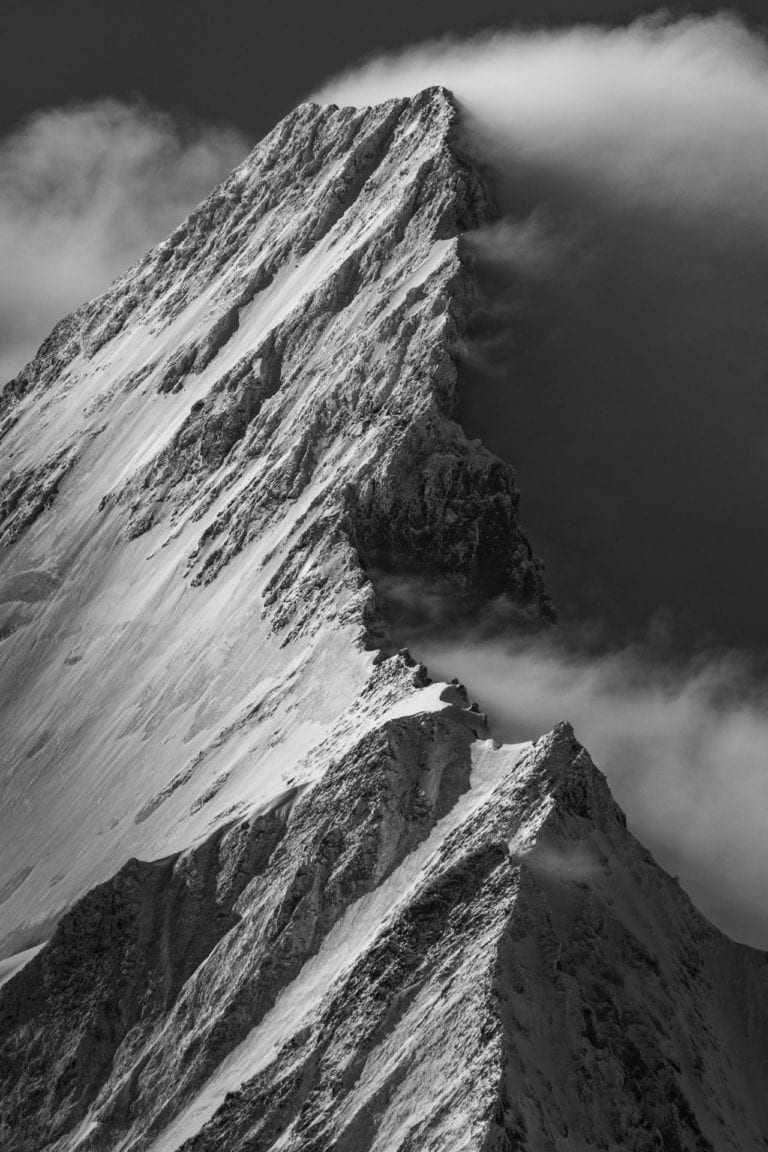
(84, 191)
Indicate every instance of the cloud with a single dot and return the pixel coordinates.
(684, 750)
(635, 109)
(619, 358)
(84, 191)
(683, 741)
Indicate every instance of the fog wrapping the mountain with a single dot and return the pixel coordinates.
(620, 359)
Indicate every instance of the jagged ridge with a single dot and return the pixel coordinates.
(367, 926)
(211, 464)
(528, 978)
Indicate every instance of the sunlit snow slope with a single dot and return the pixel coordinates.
(196, 469)
(263, 885)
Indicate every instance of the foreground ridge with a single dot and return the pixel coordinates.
(268, 885)
(479, 955)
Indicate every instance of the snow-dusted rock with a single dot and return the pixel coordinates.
(442, 943)
(211, 460)
(262, 883)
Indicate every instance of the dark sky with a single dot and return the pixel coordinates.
(242, 61)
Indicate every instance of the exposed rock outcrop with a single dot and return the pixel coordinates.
(228, 458)
(264, 885)
(476, 955)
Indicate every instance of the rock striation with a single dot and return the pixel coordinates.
(262, 883)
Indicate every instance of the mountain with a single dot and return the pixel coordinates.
(264, 884)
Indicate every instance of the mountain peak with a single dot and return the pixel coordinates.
(434, 96)
(264, 883)
(241, 455)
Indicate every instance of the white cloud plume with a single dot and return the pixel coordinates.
(666, 111)
(84, 191)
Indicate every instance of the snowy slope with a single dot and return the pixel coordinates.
(443, 943)
(310, 903)
(198, 467)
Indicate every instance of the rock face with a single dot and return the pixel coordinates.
(206, 466)
(262, 884)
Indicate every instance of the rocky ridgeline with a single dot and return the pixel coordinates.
(221, 466)
(437, 969)
(319, 297)
(290, 894)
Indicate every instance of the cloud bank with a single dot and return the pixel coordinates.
(84, 191)
(619, 358)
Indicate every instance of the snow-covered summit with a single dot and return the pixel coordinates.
(303, 900)
(201, 470)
